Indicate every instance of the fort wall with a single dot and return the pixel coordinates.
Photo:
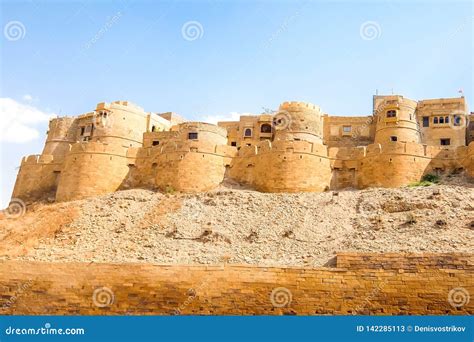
(92, 169)
(398, 164)
(283, 166)
(193, 157)
(38, 177)
(368, 284)
(119, 146)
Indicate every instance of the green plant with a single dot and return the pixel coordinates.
(426, 180)
(429, 177)
(169, 190)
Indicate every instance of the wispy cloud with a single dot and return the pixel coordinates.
(214, 119)
(18, 120)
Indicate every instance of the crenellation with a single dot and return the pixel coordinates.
(297, 148)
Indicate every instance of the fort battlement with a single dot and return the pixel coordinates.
(118, 146)
(36, 159)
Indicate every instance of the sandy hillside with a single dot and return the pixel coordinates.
(243, 226)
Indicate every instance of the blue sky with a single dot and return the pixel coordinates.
(66, 56)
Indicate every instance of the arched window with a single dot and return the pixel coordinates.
(446, 119)
(441, 120)
(266, 128)
(248, 132)
(435, 120)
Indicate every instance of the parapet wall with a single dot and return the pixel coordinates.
(188, 166)
(369, 284)
(38, 177)
(398, 164)
(283, 166)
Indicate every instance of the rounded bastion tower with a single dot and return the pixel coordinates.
(295, 161)
(193, 159)
(121, 123)
(395, 120)
(61, 133)
(298, 121)
(98, 163)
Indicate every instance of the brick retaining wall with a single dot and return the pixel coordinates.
(386, 284)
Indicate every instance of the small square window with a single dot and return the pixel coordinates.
(391, 113)
(192, 136)
(346, 129)
(155, 143)
(233, 143)
(393, 138)
(445, 142)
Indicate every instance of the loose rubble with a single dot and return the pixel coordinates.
(248, 227)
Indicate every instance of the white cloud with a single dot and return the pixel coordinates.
(232, 116)
(17, 121)
(27, 98)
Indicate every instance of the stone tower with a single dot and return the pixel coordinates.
(299, 121)
(395, 120)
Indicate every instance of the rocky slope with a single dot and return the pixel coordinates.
(243, 226)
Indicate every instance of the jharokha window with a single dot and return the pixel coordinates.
(266, 128)
(391, 113)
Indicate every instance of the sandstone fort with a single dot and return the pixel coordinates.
(298, 148)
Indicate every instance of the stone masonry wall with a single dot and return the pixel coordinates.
(374, 284)
(92, 169)
(38, 177)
